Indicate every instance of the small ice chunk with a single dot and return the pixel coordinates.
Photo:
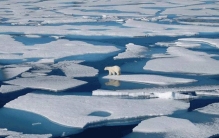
(52, 83)
(71, 69)
(132, 51)
(151, 79)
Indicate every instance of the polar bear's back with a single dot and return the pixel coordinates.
(116, 68)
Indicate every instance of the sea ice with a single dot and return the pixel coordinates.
(210, 109)
(11, 134)
(10, 88)
(166, 127)
(72, 49)
(149, 91)
(213, 42)
(29, 74)
(185, 61)
(12, 72)
(132, 51)
(52, 83)
(71, 69)
(151, 79)
(85, 111)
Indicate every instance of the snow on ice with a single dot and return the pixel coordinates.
(78, 111)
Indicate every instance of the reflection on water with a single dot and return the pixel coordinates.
(114, 83)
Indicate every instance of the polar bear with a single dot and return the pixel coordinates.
(113, 70)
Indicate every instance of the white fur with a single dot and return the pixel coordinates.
(114, 70)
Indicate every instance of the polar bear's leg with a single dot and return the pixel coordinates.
(110, 72)
(113, 72)
(118, 72)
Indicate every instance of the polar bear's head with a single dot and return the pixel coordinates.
(106, 68)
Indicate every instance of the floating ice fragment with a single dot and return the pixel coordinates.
(29, 74)
(9, 88)
(11, 72)
(213, 42)
(132, 51)
(52, 83)
(71, 69)
(167, 127)
(210, 109)
(185, 61)
(151, 79)
(11, 134)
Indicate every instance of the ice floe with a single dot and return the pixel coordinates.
(29, 74)
(151, 79)
(213, 42)
(185, 61)
(69, 49)
(71, 69)
(10, 88)
(143, 94)
(83, 111)
(166, 127)
(12, 72)
(52, 83)
(11, 134)
(210, 109)
(208, 92)
(132, 51)
(148, 91)
(179, 44)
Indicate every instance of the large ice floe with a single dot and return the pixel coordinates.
(66, 50)
(52, 83)
(184, 61)
(151, 79)
(82, 112)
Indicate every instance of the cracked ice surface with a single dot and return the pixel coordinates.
(74, 110)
